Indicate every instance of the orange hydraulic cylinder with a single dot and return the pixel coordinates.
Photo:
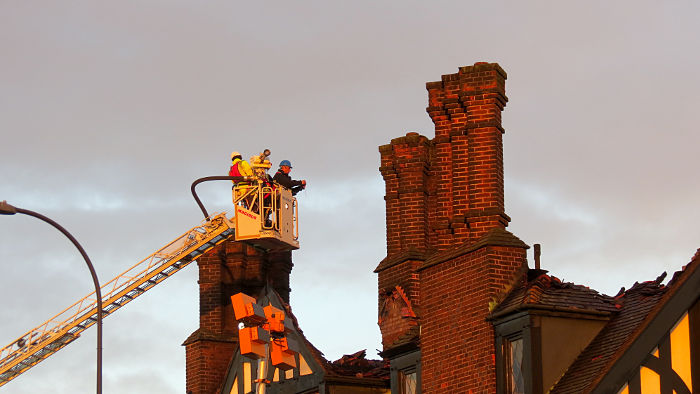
(275, 319)
(281, 355)
(245, 309)
(252, 341)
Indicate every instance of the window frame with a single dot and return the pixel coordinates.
(506, 351)
(406, 363)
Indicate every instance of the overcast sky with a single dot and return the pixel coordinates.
(109, 111)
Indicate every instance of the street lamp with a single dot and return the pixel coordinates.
(7, 209)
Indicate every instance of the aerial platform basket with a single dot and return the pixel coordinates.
(265, 215)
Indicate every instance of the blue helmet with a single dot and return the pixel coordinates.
(286, 163)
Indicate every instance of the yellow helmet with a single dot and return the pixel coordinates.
(234, 154)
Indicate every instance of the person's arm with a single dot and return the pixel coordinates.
(244, 168)
(299, 187)
(283, 180)
(286, 181)
(296, 183)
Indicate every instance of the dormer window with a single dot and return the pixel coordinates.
(535, 347)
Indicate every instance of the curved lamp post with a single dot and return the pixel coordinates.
(7, 209)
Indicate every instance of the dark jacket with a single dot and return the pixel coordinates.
(286, 181)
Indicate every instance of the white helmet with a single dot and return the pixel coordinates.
(234, 154)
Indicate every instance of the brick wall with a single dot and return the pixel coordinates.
(227, 269)
(207, 361)
(457, 342)
(447, 246)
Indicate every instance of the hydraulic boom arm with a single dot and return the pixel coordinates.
(57, 332)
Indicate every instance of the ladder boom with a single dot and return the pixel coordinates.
(60, 330)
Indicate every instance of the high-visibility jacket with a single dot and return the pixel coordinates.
(240, 167)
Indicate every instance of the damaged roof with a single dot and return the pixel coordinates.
(358, 366)
(630, 314)
(646, 309)
(537, 290)
(635, 305)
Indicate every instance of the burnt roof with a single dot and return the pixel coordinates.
(635, 305)
(639, 306)
(629, 313)
(358, 366)
(537, 290)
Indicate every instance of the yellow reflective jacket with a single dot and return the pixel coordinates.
(240, 167)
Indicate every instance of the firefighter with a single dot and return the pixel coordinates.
(282, 178)
(239, 167)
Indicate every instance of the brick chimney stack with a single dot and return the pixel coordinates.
(468, 167)
(448, 253)
(449, 190)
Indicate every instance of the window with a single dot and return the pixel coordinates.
(405, 373)
(408, 382)
(513, 360)
(671, 362)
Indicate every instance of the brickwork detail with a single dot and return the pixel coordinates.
(405, 276)
(225, 270)
(447, 247)
(396, 314)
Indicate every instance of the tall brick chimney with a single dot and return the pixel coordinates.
(468, 167)
(227, 269)
(448, 253)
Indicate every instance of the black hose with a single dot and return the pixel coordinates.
(214, 178)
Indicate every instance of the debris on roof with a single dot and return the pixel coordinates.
(358, 366)
(637, 307)
(539, 290)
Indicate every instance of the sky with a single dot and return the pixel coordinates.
(110, 110)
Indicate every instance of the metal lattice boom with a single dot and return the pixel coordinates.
(57, 332)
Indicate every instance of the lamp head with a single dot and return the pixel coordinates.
(7, 209)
